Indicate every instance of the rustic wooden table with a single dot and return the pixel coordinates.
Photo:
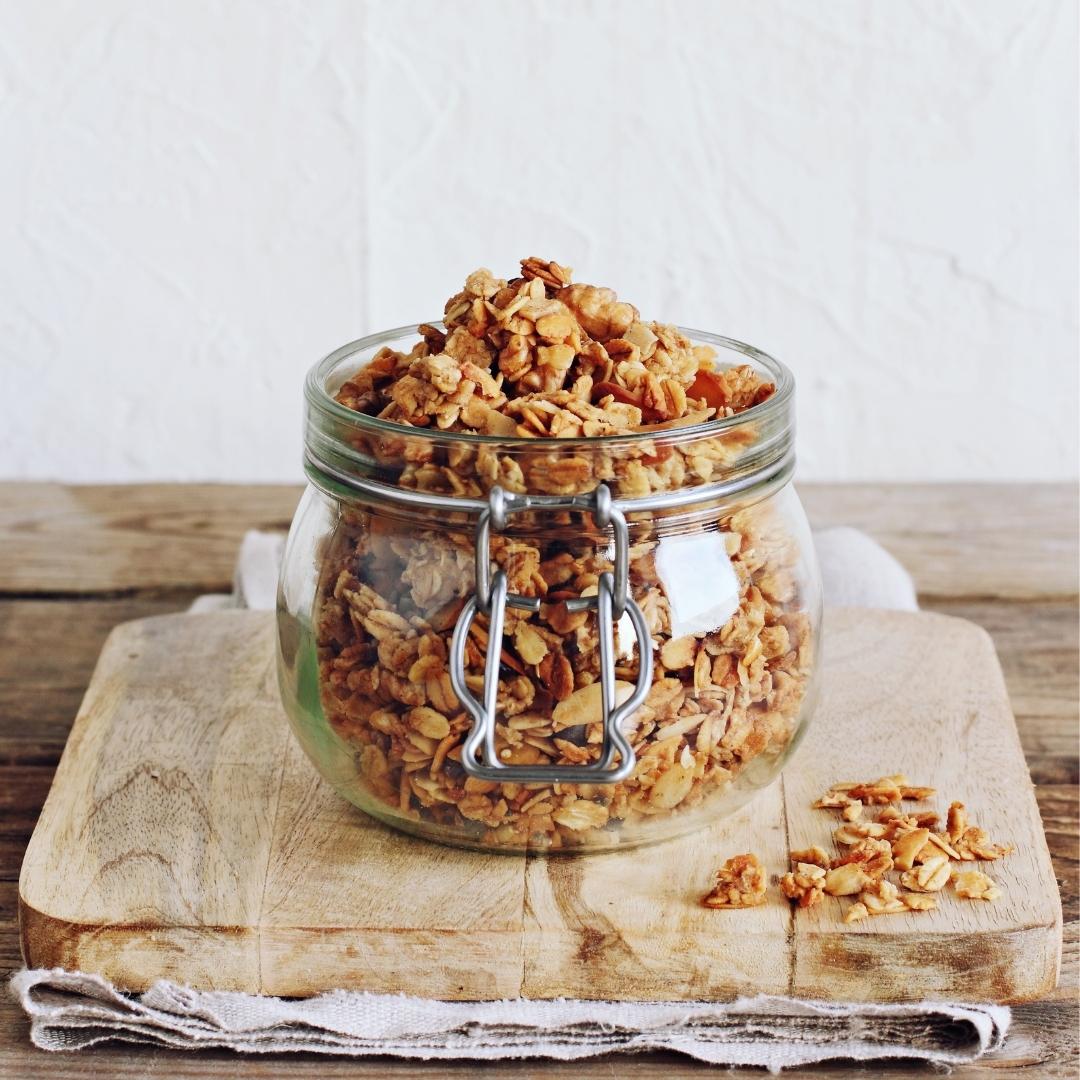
(76, 561)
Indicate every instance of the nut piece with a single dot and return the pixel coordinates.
(601, 315)
(530, 646)
(582, 814)
(975, 885)
(805, 884)
(740, 883)
(882, 898)
(585, 706)
(871, 855)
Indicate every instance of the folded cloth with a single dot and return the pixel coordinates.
(70, 1011)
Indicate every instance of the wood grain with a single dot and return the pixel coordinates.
(186, 837)
(138, 538)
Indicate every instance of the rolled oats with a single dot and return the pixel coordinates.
(930, 876)
(975, 885)
(969, 841)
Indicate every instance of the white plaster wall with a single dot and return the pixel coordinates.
(198, 199)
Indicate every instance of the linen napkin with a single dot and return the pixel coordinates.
(70, 1011)
(73, 1010)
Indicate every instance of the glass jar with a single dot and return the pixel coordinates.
(653, 599)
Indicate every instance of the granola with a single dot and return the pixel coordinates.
(740, 883)
(540, 357)
(975, 885)
(908, 842)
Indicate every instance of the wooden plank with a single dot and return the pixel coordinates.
(131, 538)
(1006, 541)
(48, 649)
(383, 911)
(1037, 643)
(271, 883)
(163, 537)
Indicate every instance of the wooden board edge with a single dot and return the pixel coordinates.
(133, 957)
(436, 964)
(971, 967)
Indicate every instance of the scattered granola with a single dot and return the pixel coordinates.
(907, 842)
(970, 841)
(889, 789)
(740, 883)
(542, 357)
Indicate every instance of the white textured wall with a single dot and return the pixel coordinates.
(197, 200)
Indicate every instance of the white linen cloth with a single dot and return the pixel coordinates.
(73, 1010)
(70, 1011)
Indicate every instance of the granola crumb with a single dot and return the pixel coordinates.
(740, 883)
(887, 789)
(805, 884)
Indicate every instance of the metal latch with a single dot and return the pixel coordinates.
(610, 602)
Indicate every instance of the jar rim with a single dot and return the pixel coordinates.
(320, 399)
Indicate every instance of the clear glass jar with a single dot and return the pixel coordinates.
(380, 572)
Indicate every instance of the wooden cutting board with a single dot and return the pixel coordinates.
(187, 837)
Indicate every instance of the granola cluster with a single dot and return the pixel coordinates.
(910, 844)
(540, 357)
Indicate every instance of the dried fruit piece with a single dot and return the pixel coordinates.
(740, 883)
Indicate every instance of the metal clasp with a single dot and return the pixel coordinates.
(492, 598)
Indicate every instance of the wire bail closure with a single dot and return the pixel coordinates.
(492, 597)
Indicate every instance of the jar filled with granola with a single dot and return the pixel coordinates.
(550, 587)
